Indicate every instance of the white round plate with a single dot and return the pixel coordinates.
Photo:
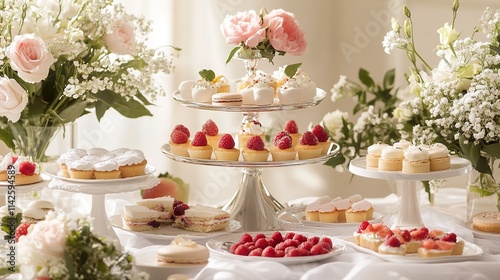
(216, 246)
(320, 95)
(53, 171)
(145, 260)
(166, 232)
(459, 166)
(471, 251)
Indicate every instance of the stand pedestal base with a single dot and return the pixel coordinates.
(252, 205)
(409, 216)
(100, 222)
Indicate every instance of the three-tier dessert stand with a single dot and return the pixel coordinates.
(252, 205)
(409, 216)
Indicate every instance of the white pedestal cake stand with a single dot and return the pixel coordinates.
(98, 189)
(409, 214)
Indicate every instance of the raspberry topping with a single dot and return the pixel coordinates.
(320, 133)
(199, 139)
(183, 129)
(180, 209)
(27, 168)
(279, 135)
(255, 143)
(226, 142)
(210, 128)
(309, 139)
(284, 143)
(178, 137)
(393, 241)
(291, 127)
(449, 237)
(21, 230)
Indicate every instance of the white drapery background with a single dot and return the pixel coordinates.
(342, 37)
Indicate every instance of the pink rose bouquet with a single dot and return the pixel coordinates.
(263, 35)
(60, 59)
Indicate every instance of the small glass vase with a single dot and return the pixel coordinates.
(483, 192)
(250, 59)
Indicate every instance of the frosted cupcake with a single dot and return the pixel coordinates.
(341, 206)
(416, 160)
(374, 152)
(108, 169)
(247, 131)
(391, 159)
(283, 149)
(4, 165)
(131, 163)
(402, 144)
(439, 157)
(308, 146)
(97, 152)
(81, 169)
(221, 84)
(66, 158)
(328, 213)
(359, 211)
(255, 150)
(199, 148)
(225, 149)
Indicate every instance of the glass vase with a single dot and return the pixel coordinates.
(250, 60)
(483, 192)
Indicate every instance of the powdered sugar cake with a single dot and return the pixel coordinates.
(201, 218)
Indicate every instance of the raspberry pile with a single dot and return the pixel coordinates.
(278, 245)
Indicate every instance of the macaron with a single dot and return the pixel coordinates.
(227, 99)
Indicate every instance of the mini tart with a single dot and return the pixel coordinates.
(227, 154)
(113, 174)
(133, 170)
(3, 175)
(200, 152)
(283, 154)
(420, 166)
(308, 151)
(243, 139)
(438, 164)
(325, 146)
(22, 179)
(255, 155)
(358, 216)
(81, 174)
(391, 159)
(487, 222)
(327, 213)
(179, 149)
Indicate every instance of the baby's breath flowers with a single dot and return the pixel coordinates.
(60, 59)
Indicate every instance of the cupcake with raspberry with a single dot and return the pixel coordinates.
(226, 150)
(199, 148)
(292, 128)
(283, 149)
(255, 150)
(247, 131)
(323, 138)
(179, 143)
(308, 146)
(27, 172)
(211, 132)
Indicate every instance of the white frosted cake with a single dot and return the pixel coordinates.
(201, 218)
(139, 218)
(162, 205)
(182, 251)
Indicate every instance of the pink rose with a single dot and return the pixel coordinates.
(121, 40)
(49, 236)
(29, 57)
(13, 99)
(284, 32)
(244, 27)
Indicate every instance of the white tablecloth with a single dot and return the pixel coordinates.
(447, 214)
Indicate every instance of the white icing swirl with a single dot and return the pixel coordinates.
(6, 161)
(392, 153)
(313, 207)
(376, 149)
(263, 80)
(438, 150)
(97, 152)
(342, 204)
(416, 153)
(327, 207)
(202, 84)
(92, 159)
(362, 205)
(81, 165)
(402, 144)
(107, 165)
(252, 128)
(128, 159)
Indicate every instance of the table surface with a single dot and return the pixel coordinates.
(447, 213)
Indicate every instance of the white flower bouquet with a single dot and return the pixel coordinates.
(61, 58)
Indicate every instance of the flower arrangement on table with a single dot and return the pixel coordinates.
(263, 35)
(60, 59)
(62, 248)
(457, 102)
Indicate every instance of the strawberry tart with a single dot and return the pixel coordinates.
(225, 149)
(308, 146)
(27, 172)
(283, 148)
(255, 150)
(211, 132)
(199, 148)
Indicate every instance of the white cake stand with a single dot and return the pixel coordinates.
(409, 214)
(98, 189)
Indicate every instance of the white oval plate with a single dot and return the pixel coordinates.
(167, 232)
(483, 234)
(53, 171)
(145, 259)
(216, 247)
(471, 251)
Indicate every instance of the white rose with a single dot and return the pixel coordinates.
(29, 57)
(121, 40)
(403, 114)
(13, 99)
(333, 121)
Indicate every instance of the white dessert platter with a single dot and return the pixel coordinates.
(25, 188)
(218, 247)
(483, 234)
(293, 218)
(320, 95)
(98, 189)
(168, 233)
(471, 252)
(409, 214)
(146, 261)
